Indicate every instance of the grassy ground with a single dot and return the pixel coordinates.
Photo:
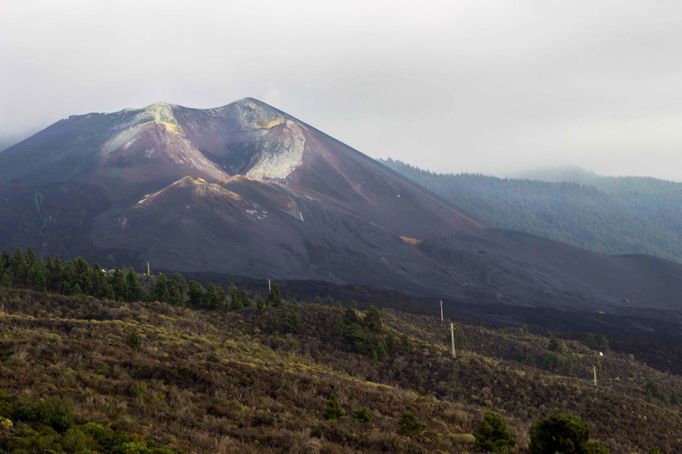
(259, 380)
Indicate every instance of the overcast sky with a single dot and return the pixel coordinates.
(477, 86)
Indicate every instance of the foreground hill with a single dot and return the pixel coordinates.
(259, 379)
(246, 189)
(614, 215)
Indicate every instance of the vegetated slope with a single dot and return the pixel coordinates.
(614, 215)
(246, 189)
(260, 379)
(655, 199)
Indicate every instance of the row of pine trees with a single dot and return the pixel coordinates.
(78, 277)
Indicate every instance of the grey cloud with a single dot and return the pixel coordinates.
(489, 86)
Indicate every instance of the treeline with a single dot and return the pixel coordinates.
(614, 216)
(78, 277)
(366, 335)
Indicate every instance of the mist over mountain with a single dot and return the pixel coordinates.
(614, 215)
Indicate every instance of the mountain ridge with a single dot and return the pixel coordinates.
(247, 189)
(613, 215)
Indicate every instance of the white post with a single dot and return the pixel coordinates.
(441, 310)
(452, 339)
(269, 286)
(149, 270)
(594, 368)
(594, 374)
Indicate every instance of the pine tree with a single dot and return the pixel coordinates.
(275, 296)
(96, 280)
(135, 292)
(107, 291)
(215, 296)
(39, 276)
(196, 294)
(372, 320)
(159, 290)
(30, 259)
(57, 275)
(4, 264)
(118, 284)
(235, 297)
(78, 272)
(5, 281)
(18, 268)
(177, 289)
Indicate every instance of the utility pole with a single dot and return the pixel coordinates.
(441, 311)
(594, 369)
(594, 374)
(452, 340)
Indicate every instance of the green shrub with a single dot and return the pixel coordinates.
(372, 320)
(360, 335)
(88, 438)
(555, 344)
(551, 361)
(52, 412)
(493, 435)
(597, 342)
(559, 432)
(332, 410)
(133, 341)
(362, 415)
(55, 413)
(289, 322)
(408, 424)
(5, 424)
(275, 296)
(105, 438)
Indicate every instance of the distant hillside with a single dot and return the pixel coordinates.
(621, 215)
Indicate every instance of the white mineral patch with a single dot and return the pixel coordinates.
(279, 161)
(157, 113)
(253, 115)
(257, 214)
(170, 140)
(198, 185)
(123, 138)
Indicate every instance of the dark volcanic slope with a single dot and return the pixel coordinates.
(247, 189)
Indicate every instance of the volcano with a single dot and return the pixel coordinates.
(248, 190)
